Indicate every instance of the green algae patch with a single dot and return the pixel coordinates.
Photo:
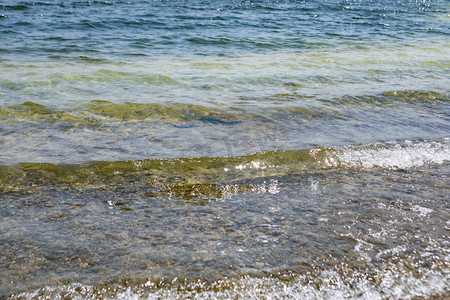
(365, 101)
(129, 111)
(152, 79)
(417, 96)
(30, 111)
(110, 76)
(101, 112)
(312, 113)
(185, 178)
(199, 193)
(391, 98)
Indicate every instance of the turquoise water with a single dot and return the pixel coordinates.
(224, 149)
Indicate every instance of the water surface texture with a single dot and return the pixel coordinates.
(224, 149)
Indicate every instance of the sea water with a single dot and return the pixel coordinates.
(224, 149)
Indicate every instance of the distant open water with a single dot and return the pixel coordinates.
(224, 149)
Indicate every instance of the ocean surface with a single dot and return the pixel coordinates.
(224, 149)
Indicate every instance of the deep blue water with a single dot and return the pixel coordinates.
(123, 29)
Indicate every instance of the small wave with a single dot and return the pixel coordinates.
(202, 176)
(214, 177)
(394, 155)
(16, 7)
(99, 111)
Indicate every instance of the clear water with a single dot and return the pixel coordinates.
(224, 149)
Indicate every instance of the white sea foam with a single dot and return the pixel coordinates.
(395, 155)
(328, 285)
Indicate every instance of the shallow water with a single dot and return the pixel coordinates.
(224, 149)
(314, 232)
(367, 221)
